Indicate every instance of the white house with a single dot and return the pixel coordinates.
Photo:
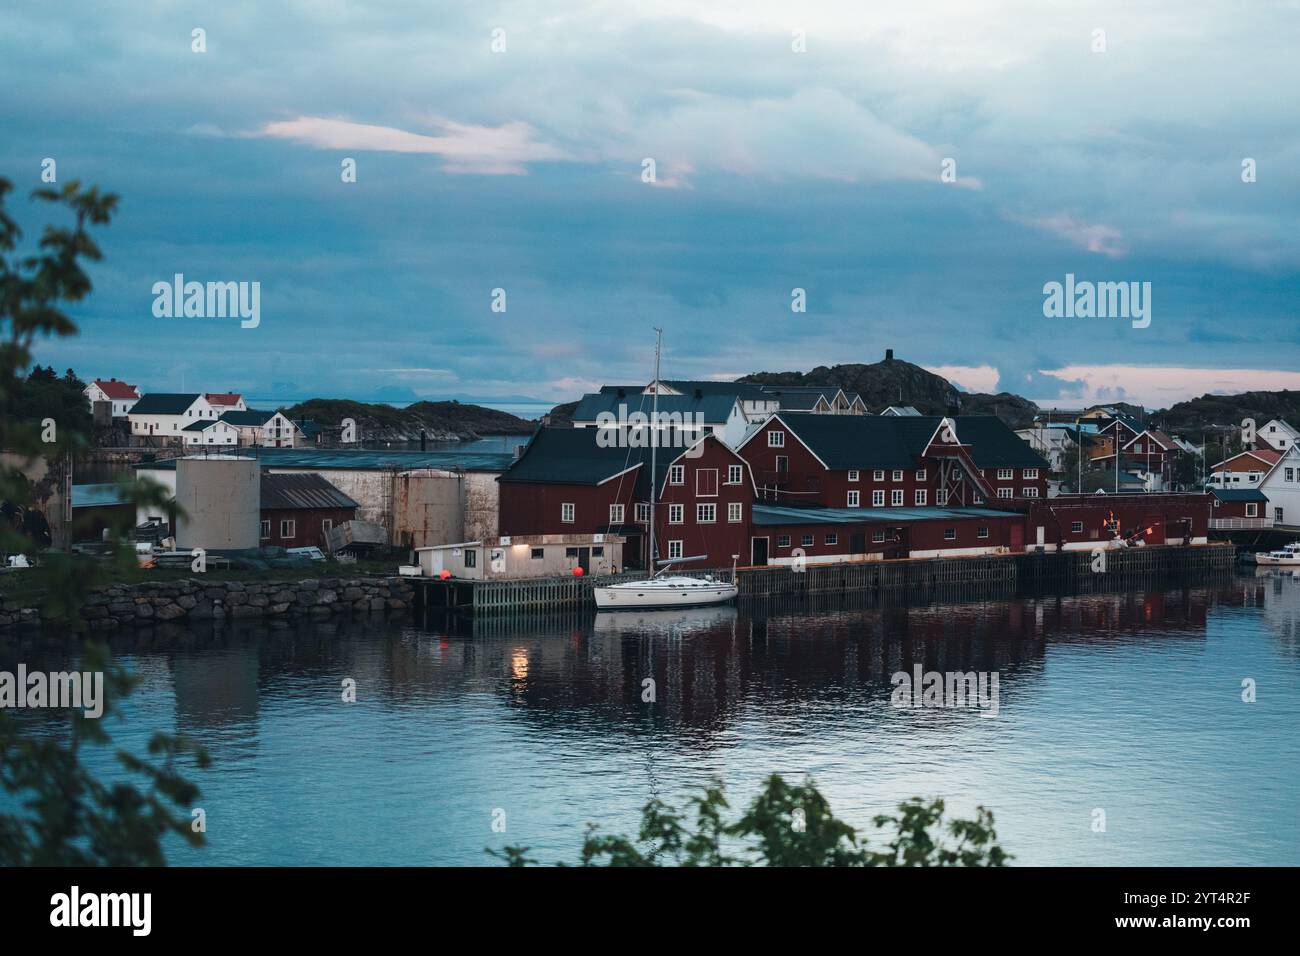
(122, 396)
(1282, 488)
(226, 402)
(1278, 434)
(683, 419)
(164, 415)
(1243, 470)
(265, 429)
(210, 431)
(1050, 441)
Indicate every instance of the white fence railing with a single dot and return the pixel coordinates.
(1240, 524)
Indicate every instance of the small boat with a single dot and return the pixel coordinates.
(1287, 557)
(663, 592)
(676, 590)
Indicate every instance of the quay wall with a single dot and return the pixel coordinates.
(124, 605)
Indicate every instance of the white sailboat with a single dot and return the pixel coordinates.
(678, 590)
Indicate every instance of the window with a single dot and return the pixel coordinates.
(326, 525)
(1032, 473)
(919, 498)
(982, 531)
(854, 498)
(782, 464)
(1029, 492)
(537, 554)
(471, 558)
(615, 514)
(288, 528)
(706, 514)
(776, 439)
(706, 482)
(1277, 515)
(676, 514)
(877, 499)
(735, 511)
(941, 497)
(735, 474)
(566, 512)
(266, 529)
(807, 541)
(1006, 474)
(598, 552)
(896, 497)
(878, 475)
(1290, 474)
(950, 534)
(898, 474)
(1076, 527)
(783, 541)
(832, 538)
(677, 475)
(643, 512)
(920, 474)
(977, 498)
(1005, 493)
(1252, 509)
(853, 475)
(674, 549)
(878, 535)
(570, 552)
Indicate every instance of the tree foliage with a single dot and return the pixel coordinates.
(66, 815)
(786, 825)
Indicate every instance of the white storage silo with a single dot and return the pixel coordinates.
(221, 500)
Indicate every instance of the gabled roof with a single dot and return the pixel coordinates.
(887, 441)
(900, 411)
(1238, 494)
(119, 391)
(575, 456)
(745, 390)
(714, 408)
(247, 419)
(203, 424)
(1163, 440)
(220, 399)
(165, 403)
(287, 492)
(1265, 456)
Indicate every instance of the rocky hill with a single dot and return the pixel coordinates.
(438, 421)
(895, 382)
(1227, 411)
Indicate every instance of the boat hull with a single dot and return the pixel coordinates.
(634, 597)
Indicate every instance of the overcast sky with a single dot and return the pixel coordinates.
(775, 169)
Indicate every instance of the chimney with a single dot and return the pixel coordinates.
(889, 355)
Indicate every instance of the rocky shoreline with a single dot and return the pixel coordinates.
(194, 599)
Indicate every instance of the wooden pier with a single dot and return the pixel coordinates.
(984, 575)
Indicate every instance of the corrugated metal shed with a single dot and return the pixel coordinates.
(287, 492)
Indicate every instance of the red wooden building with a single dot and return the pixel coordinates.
(297, 509)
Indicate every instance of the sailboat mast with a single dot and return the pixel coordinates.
(654, 445)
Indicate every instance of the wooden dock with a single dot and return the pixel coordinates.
(984, 575)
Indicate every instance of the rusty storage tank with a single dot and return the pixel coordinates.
(220, 497)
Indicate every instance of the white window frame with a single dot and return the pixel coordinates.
(1029, 492)
(292, 525)
(896, 498)
(568, 512)
(878, 475)
(853, 474)
(1031, 474)
(706, 508)
(776, 439)
(898, 474)
(878, 536)
(676, 514)
(832, 539)
(878, 498)
(616, 513)
(1006, 493)
(677, 475)
(735, 511)
(854, 499)
(735, 474)
(1006, 474)
(643, 512)
(675, 549)
(920, 474)
(919, 499)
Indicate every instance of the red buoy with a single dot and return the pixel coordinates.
(577, 572)
(444, 574)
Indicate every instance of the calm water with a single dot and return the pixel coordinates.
(1127, 702)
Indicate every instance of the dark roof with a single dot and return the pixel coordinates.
(287, 492)
(781, 515)
(1238, 494)
(573, 456)
(888, 441)
(364, 459)
(200, 425)
(751, 390)
(165, 403)
(248, 418)
(713, 407)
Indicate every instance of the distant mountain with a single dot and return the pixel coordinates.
(1227, 411)
(438, 421)
(895, 382)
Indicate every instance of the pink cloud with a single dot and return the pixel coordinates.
(1095, 237)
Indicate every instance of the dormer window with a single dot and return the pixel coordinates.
(776, 439)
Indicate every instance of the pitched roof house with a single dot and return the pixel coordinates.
(121, 395)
